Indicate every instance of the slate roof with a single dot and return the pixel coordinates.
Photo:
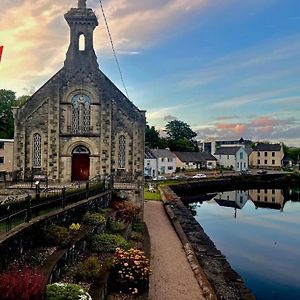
(267, 147)
(149, 154)
(227, 150)
(194, 156)
(162, 153)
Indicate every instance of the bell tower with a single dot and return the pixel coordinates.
(82, 22)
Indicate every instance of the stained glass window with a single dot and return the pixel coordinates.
(37, 150)
(81, 105)
(122, 152)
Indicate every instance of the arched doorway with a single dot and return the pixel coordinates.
(80, 164)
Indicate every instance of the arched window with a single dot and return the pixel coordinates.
(37, 150)
(81, 106)
(122, 152)
(81, 42)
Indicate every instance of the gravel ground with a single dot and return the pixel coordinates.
(172, 276)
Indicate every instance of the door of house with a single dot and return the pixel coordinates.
(80, 164)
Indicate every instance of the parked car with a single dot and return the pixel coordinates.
(262, 172)
(159, 177)
(148, 177)
(180, 177)
(245, 173)
(200, 175)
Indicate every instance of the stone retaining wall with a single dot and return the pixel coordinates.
(29, 235)
(214, 274)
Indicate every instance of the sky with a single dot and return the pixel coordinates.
(228, 68)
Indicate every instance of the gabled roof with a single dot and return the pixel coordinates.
(194, 156)
(149, 154)
(267, 147)
(163, 153)
(228, 150)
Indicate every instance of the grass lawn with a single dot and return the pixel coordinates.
(152, 196)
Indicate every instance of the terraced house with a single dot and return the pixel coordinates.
(268, 156)
(79, 124)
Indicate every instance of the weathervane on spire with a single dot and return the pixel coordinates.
(81, 3)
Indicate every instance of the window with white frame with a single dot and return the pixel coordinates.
(81, 111)
(37, 150)
(122, 152)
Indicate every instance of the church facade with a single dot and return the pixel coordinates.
(79, 125)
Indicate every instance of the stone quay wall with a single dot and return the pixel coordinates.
(213, 272)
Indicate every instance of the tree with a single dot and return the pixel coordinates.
(152, 139)
(181, 136)
(7, 100)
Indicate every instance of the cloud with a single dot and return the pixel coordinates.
(169, 118)
(222, 118)
(256, 128)
(36, 36)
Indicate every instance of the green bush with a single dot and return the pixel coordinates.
(138, 227)
(94, 219)
(62, 291)
(106, 242)
(90, 270)
(57, 235)
(137, 236)
(115, 226)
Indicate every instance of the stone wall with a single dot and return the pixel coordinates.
(29, 235)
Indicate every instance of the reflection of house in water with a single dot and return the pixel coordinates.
(267, 198)
(235, 199)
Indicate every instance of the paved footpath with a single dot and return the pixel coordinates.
(172, 276)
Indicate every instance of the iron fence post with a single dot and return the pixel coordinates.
(28, 208)
(87, 189)
(63, 200)
(8, 219)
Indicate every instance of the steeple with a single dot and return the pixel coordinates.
(82, 22)
(81, 3)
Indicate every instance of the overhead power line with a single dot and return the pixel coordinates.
(113, 48)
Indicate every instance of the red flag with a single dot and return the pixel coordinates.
(1, 50)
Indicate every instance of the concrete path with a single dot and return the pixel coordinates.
(172, 276)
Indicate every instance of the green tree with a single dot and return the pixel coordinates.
(181, 137)
(7, 100)
(152, 139)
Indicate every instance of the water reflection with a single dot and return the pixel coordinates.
(259, 232)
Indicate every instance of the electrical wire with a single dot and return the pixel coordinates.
(113, 48)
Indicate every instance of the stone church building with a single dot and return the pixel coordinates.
(79, 125)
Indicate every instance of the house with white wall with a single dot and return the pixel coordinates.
(150, 164)
(195, 160)
(166, 161)
(233, 157)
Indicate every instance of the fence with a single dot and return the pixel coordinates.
(17, 212)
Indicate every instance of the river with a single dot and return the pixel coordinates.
(259, 233)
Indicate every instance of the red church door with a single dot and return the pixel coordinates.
(80, 164)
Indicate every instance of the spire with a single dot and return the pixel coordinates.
(82, 22)
(81, 3)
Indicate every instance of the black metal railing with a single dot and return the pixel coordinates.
(17, 211)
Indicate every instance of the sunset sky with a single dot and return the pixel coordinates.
(229, 68)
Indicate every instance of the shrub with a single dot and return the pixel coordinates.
(116, 226)
(90, 270)
(74, 227)
(126, 210)
(130, 271)
(25, 284)
(57, 235)
(138, 227)
(62, 291)
(106, 242)
(94, 219)
(137, 236)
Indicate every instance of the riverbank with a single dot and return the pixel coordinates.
(226, 283)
